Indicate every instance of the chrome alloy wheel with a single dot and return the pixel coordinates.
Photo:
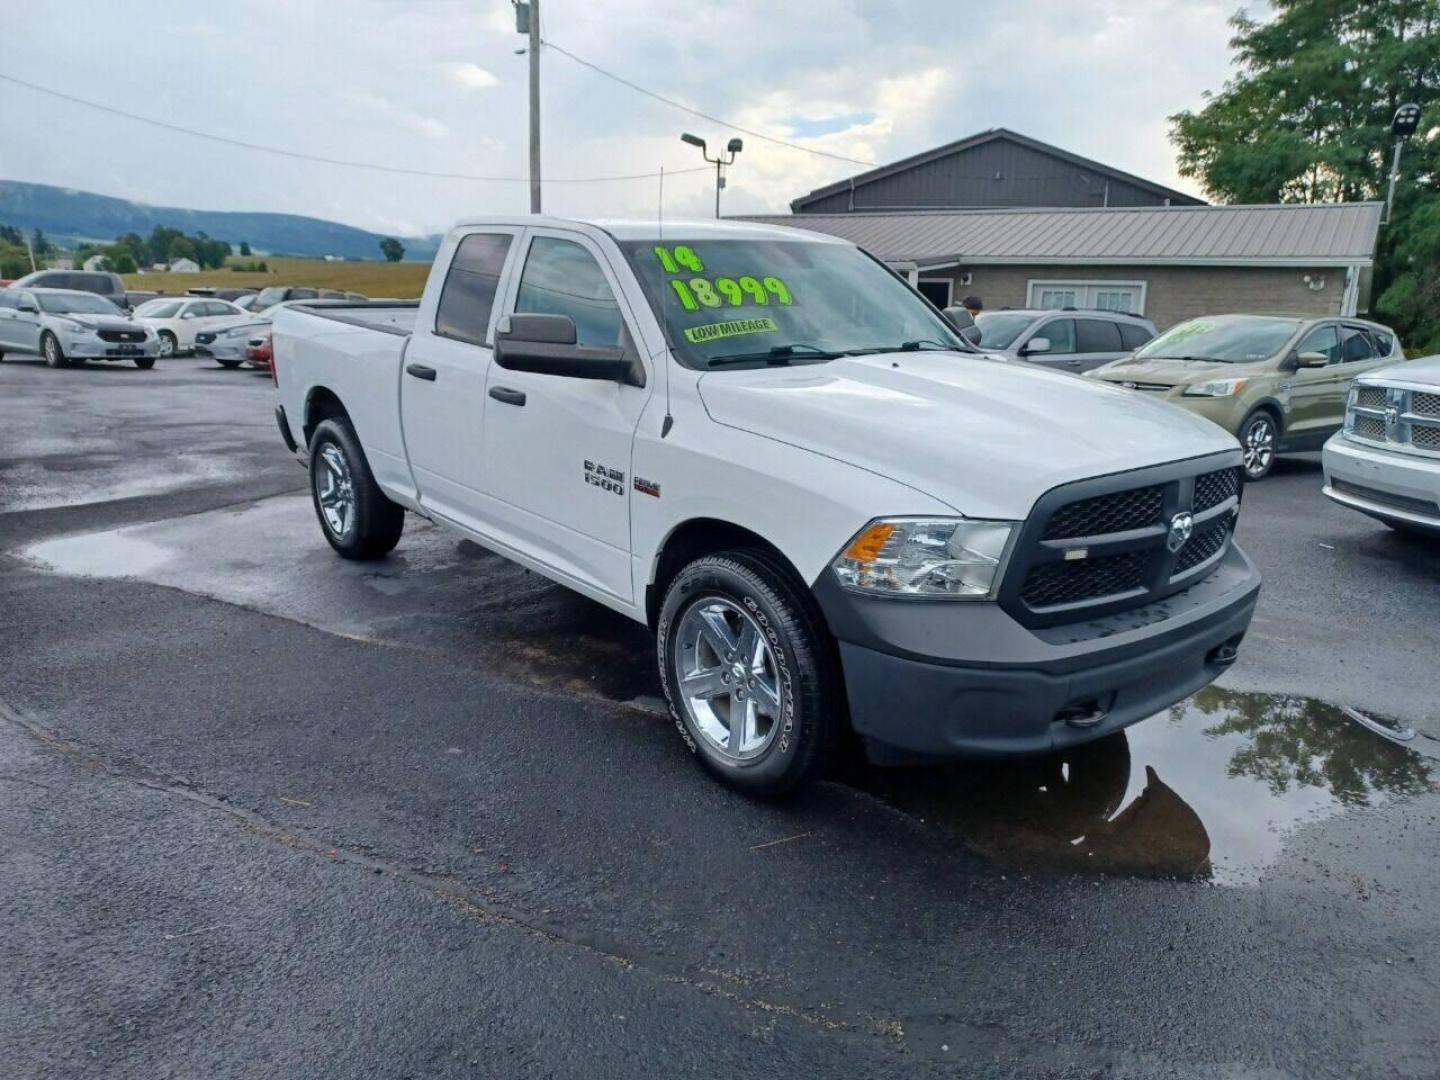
(1259, 445)
(726, 678)
(167, 345)
(335, 491)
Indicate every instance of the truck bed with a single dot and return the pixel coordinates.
(391, 316)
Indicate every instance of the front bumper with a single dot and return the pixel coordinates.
(89, 347)
(1386, 484)
(929, 680)
(219, 349)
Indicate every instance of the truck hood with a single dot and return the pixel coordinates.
(1425, 371)
(1168, 372)
(985, 437)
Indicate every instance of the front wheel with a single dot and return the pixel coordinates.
(168, 344)
(745, 666)
(50, 349)
(356, 517)
(1258, 436)
(229, 365)
(144, 363)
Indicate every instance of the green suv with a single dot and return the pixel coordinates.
(1276, 382)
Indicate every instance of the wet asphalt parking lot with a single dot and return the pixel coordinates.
(269, 814)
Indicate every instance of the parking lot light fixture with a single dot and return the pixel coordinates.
(733, 147)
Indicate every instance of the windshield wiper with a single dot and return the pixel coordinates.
(923, 345)
(779, 355)
(1196, 359)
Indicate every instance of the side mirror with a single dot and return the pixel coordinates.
(545, 345)
(29, 307)
(962, 321)
(1312, 360)
(1036, 345)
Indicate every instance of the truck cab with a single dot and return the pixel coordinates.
(829, 508)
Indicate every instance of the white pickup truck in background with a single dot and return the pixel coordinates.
(762, 444)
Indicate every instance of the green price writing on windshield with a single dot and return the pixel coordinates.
(698, 291)
(681, 258)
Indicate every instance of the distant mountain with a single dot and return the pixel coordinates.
(67, 216)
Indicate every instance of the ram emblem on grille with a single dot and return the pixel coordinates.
(1181, 526)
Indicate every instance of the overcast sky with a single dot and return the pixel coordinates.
(436, 85)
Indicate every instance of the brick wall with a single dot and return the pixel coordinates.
(1173, 294)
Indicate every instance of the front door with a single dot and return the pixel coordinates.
(442, 384)
(557, 449)
(1312, 389)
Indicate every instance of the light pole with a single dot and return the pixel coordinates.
(527, 21)
(733, 147)
(1402, 126)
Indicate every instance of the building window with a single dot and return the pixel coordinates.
(938, 290)
(1127, 296)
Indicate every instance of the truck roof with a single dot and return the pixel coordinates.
(687, 228)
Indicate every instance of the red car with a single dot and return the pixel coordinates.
(258, 352)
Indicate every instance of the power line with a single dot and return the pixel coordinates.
(696, 112)
(299, 156)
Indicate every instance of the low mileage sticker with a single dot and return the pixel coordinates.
(731, 328)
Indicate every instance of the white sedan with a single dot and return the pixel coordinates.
(177, 319)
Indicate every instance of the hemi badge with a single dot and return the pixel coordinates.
(1072, 554)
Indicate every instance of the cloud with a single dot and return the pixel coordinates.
(426, 125)
(472, 76)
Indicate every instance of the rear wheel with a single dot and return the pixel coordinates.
(168, 344)
(745, 665)
(51, 351)
(230, 364)
(1258, 437)
(355, 516)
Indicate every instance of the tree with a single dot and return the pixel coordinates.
(1307, 118)
(392, 249)
(157, 248)
(121, 259)
(9, 234)
(41, 244)
(181, 247)
(245, 248)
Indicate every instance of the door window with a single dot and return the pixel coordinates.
(1355, 346)
(562, 278)
(1096, 336)
(1324, 340)
(469, 292)
(1061, 333)
(1384, 342)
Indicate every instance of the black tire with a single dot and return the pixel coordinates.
(229, 365)
(144, 363)
(803, 732)
(167, 338)
(1259, 456)
(373, 524)
(51, 351)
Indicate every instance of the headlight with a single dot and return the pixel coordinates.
(75, 327)
(1217, 388)
(240, 332)
(919, 557)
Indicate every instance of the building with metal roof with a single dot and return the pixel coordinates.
(1168, 263)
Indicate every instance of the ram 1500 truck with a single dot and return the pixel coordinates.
(765, 446)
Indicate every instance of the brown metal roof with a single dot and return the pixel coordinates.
(1307, 234)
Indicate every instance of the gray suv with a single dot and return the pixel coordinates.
(1066, 339)
(101, 283)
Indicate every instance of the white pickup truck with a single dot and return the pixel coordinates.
(767, 447)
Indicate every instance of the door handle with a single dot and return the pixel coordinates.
(421, 371)
(508, 396)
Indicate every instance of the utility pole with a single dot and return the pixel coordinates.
(527, 21)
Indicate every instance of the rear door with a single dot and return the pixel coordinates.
(1097, 341)
(557, 448)
(26, 326)
(9, 328)
(1358, 354)
(442, 379)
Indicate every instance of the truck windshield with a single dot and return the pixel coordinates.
(739, 303)
(1231, 339)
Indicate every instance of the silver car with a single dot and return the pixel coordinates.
(67, 328)
(1065, 339)
(1385, 461)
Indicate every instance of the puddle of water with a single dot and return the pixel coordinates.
(118, 553)
(1209, 790)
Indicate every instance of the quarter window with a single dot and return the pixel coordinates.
(562, 278)
(469, 293)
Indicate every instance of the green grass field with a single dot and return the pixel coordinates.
(403, 280)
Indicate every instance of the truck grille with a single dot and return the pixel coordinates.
(1104, 545)
(1394, 416)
